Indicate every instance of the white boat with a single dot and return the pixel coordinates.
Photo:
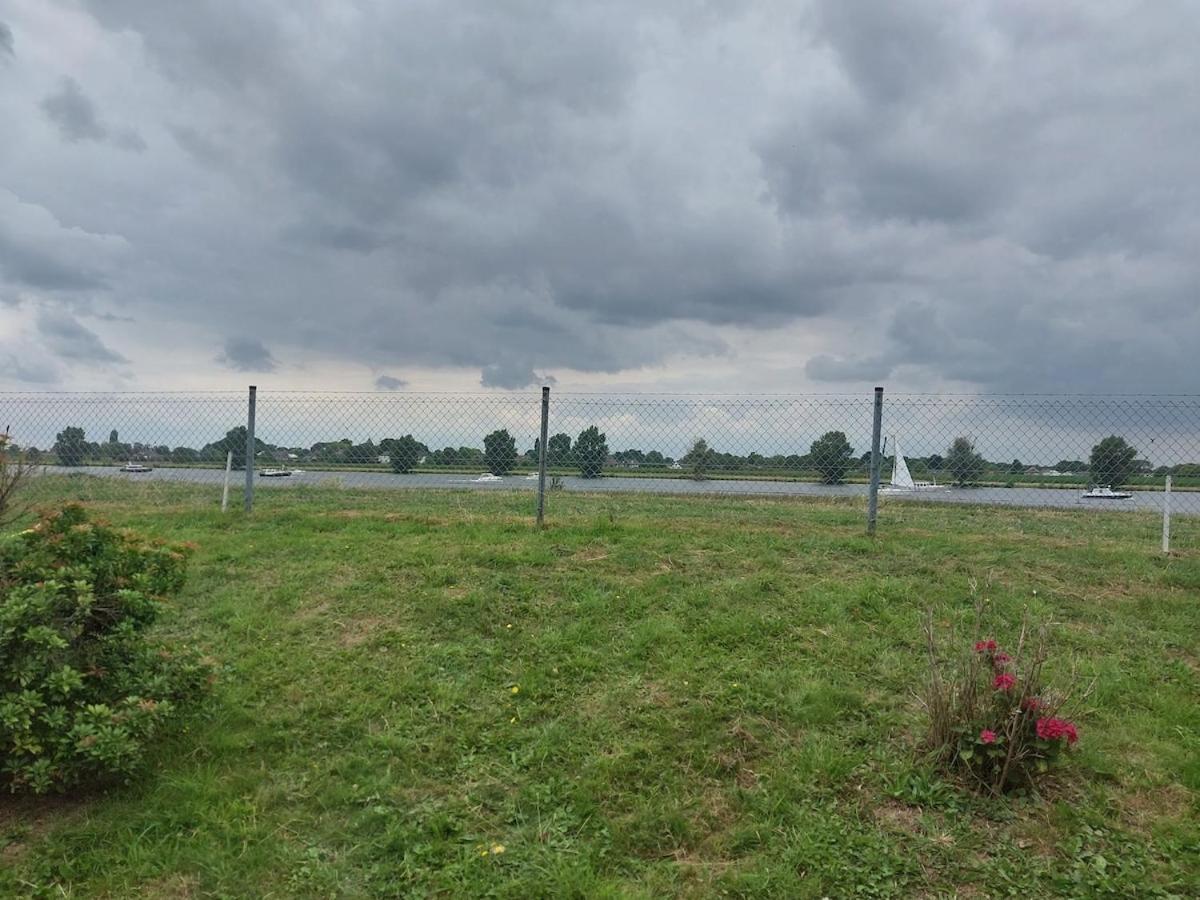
(902, 481)
(1105, 492)
(487, 476)
(275, 473)
(135, 467)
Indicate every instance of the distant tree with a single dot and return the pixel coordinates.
(591, 452)
(235, 441)
(963, 463)
(70, 445)
(830, 455)
(366, 452)
(698, 459)
(185, 455)
(113, 437)
(404, 452)
(1112, 461)
(500, 452)
(936, 462)
(654, 458)
(1016, 468)
(1071, 465)
(558, 450)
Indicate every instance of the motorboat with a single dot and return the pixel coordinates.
(1105, 492)
(135, 467)
(275, 473)
(487, 476)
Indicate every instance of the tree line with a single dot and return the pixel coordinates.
(830, 457)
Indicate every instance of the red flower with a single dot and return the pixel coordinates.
(987, 737)
(1033, 704)
(1004, 681)
(1056, 729)
(989, 644)
(1001, 658)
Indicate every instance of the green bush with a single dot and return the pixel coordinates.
(82, 689)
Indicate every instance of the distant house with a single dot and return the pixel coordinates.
(384, 458)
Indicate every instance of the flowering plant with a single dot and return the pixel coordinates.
(992, 718)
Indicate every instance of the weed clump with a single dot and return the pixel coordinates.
(994, 720)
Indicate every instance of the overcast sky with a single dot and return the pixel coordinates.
(931, 195)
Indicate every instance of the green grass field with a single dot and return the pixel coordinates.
(652, 697)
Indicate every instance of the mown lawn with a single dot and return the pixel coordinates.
(653, 697)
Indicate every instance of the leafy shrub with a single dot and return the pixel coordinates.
(82, 689)
(993, 720)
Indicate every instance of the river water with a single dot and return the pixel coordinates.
(1183, 503)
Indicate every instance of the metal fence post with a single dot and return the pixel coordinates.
(250, 450)
(876, 462)
(541, 498)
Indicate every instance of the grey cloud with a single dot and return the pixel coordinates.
(74, 114)
(336, 237)
(892, 51)
(19, 367)
(247, 355)
(199, 146)
(38, 268)
(129, 139)
(1006, 190)
(70, 340)
(6, 40)
(511, 376)
(831, 368)
(389, 383)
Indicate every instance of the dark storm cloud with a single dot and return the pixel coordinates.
(247, 355)
(995, 193)
(74, 114)
(389, 383)
(72, 341)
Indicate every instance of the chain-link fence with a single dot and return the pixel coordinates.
(1073, 452)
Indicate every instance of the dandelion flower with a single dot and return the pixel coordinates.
(515, 689)
(497, 849)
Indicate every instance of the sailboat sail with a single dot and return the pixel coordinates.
(901, 477)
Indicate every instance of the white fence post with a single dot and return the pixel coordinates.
(1167, 517)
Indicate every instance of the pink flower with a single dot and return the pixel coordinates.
(1001, 659)
(1004, 681)
(989, 644)
(1033, 704)
(1057, 729)
(987, 737)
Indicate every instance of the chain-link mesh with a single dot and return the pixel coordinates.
(1076, 452)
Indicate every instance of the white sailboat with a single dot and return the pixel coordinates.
(902, 481)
